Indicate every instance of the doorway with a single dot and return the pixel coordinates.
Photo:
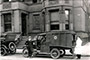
(24, 24)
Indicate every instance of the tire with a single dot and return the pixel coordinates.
(12, 46)
(13, 52)
(55, 53)
(62, 52)
(3, 51)
(25, 52)
(71, 51)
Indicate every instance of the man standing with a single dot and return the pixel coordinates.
(29, 46)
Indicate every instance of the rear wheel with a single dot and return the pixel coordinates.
(25, 52)
(71, 51)
(55, 53)
(3, 51)
(12, 47)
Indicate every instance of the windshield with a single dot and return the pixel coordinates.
(40, 37)
(35, 38)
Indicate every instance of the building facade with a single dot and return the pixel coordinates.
(36, 16)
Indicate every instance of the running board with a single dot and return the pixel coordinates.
(43, 53)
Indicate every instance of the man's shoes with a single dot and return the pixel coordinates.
(78, 56)
(28, 56)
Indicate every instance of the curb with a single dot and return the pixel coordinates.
(81, 55)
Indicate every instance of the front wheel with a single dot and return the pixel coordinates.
(55, 53)
(3, 51)
(25, 52)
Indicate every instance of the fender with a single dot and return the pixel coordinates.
(4, 46)
(24, 46)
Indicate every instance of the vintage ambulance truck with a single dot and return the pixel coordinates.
(54, 43)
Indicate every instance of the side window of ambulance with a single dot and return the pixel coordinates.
(74, 38)
(40, 37)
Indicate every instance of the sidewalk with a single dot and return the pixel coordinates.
(85, 50)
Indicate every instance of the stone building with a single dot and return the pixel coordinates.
(36, 16)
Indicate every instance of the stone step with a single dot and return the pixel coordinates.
(22, 42)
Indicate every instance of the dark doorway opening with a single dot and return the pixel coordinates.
(24, 24)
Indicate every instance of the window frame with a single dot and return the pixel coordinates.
(34, 19)
(67, 21)
(67, 25)
(51, 2)
(52, 26)
(7, 0)
(34, 1)
(7, 22)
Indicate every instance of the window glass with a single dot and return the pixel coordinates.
(66, 1)
(67, 26)
(54, 19)
(55, 27)
(34, 1)
(6, 0)
(22, 0)
(67, 16)
(40, 37)
(67, 13)
(54, 15)
(36, 20)
(7, 22)
(53, 1)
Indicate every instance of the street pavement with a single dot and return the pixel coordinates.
(68, 56)
(42, 57)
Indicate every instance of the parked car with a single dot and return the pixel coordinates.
(9, 43)
(53, 43)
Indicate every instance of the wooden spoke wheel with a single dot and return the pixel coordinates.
(3, 51)
(25, 52)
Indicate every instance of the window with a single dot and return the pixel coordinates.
(54, 26)
(54, 19)
(22, 0)
(36, 22)
(67, 15)
(7, 22)
(54, 15)
(34, 1)
(67, 26)
(66, 1)
(53, 1)
(7, 0)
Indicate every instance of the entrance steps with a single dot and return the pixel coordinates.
(22, 42)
